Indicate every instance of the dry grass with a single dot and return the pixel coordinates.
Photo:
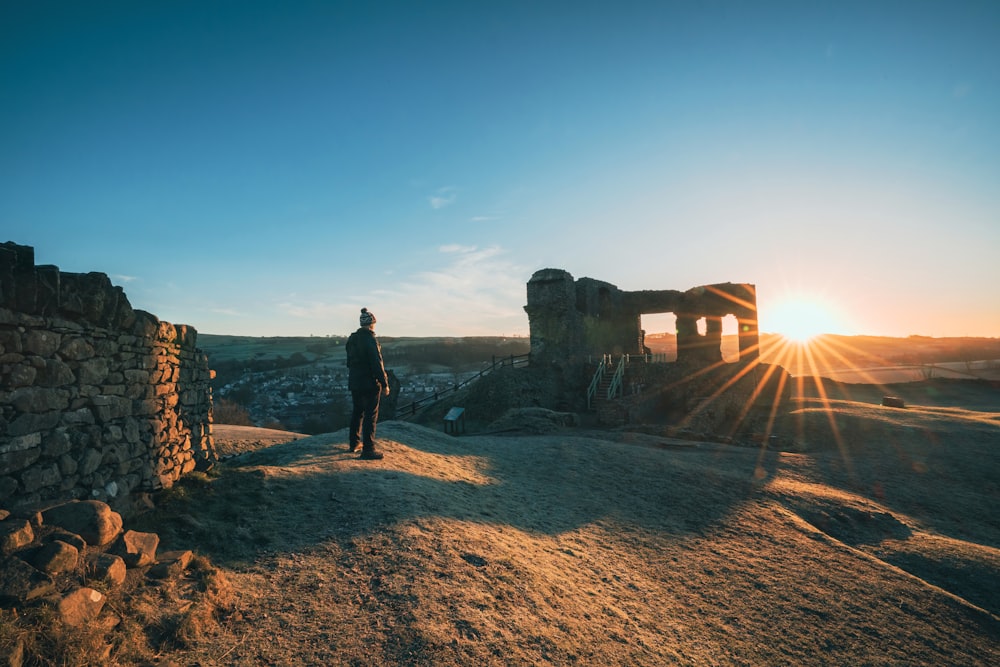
(142, 621)
(876, 545)
(562, 549)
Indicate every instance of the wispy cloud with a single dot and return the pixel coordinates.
(484, 218)
(454, 247)
(474, 291)
(443, 197)
(118, 277)
(464, 290)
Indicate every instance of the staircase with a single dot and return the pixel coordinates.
(607, 380)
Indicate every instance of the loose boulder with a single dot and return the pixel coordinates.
(108, 568)
(65, 536)
(137, 549)
(19, 582)
(80, 606)
(14, 535)
(92, 520)
(56, 557)
(171, 564)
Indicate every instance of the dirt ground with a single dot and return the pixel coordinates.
(878, 543)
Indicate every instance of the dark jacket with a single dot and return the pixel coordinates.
(364, 362)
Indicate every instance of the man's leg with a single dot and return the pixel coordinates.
(368, 450)
(357, 411)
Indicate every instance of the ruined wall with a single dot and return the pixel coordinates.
(97, 400)
(571, 320)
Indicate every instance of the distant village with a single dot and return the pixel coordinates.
(316, 399)
(304, 388)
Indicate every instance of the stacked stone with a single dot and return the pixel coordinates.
(53, 557)
(97, 400)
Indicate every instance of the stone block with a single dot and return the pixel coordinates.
(131, 430)
(56, 443)
(163, 389)
(137, 548)
(69, 480)
(92, 371)
(18, 460)
(139, 391)
(136, 376)
(75, 349)
(19, 582)
(56, 557)
(25, 424)
(11, 339)
(90, 461)
(15, 534)
(41, 343)
(171, 564)
(39, 477)
(21, 375)
(83, 416)
(68, 465)
(104, 347)
(108, 568)
(145, 407)
(55, 373)
(8, 485)
(65, 536)
(21, 443)
(92, 520)
(146, 324)
(81, 606)
(39, 399)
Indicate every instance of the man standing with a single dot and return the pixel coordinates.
(367, 381)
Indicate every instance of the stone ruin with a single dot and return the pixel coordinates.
(571, 320)
(98, 400)
(574, 323)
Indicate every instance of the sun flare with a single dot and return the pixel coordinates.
(800, 319)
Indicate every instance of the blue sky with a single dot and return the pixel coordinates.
(267, 168)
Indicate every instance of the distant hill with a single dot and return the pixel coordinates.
(847, 358)
(432, 349)
(852, 358)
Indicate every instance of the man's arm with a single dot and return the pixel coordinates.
(376, 365)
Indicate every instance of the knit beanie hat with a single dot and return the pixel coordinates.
(366, 317)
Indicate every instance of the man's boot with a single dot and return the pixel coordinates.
(369, 452)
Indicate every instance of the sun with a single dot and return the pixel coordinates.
(800, 319)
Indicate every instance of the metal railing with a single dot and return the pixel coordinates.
(616, 385)
(616, 379)
(412, 408)
(596, 382)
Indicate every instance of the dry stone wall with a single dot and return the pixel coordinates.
(97, 400)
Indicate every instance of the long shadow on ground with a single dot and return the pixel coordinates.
(291, 496)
